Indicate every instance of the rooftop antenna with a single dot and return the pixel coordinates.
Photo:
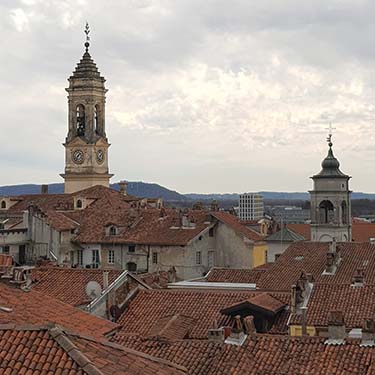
(87, 32)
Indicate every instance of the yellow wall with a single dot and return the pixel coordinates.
(297, 331)
(259, 254)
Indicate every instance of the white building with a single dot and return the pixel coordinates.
(251, 206)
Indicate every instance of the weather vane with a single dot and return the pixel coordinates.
(329, 138)
(87, 32)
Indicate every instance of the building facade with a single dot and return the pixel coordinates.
(251, 206)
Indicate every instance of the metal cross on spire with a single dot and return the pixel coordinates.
(330, 133)
(87, 32)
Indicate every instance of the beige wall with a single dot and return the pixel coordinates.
(231, 248)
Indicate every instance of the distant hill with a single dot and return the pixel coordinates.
(150, 190)
(139, 189)
(268, 195)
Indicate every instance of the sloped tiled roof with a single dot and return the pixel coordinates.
(144, 226)
(234, 223)
(235, 275)
(68, 284)
(50, 350)
(311, 258)
(356, 304)
(172, 327)
(261, 355)
(36, 308)
(204, 306)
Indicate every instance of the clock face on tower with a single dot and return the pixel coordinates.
(78, 156)
(100, 156)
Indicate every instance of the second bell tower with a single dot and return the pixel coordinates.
(86, 145)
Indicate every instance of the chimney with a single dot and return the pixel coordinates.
(359, 277)
(368, 332)
(336, 328)
(333, 246)
(237, 335)
(215, 333)
(249, 325)
(123, 187)
(105, 280)
(44, 189)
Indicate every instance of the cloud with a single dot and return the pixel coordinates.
(203, 96)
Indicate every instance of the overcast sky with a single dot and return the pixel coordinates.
(204, 96)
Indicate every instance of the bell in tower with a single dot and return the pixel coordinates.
(330, 201)
(86, 145)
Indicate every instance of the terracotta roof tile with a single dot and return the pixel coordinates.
(261, 354)
(204, 306)
(36, 308)
(311, 258)
(233, 275)
(53, 281)
(42, 350)
(137, 226)
(356, 304)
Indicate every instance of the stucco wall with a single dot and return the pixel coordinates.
(231, 249)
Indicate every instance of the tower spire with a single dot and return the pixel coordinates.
(87, 32)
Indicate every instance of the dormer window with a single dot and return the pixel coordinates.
(112, 231)
(79, 203)
(3, 204)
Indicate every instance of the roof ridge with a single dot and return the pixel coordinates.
(62, 339)
(113, 345)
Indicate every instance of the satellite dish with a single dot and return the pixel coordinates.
(93, 289)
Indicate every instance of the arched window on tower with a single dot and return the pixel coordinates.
(326, 212)
(3, 204)
(96, 118)
(80, 112)
(344, 212)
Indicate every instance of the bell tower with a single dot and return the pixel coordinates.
(86, 145)
(330, 201)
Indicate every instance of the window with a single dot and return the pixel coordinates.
(5, 249)
(111, 257)
(95, 259)
(198, 257)
(3, 204)
(113, 231)
(80, 120)
(155, 258)
(211, 232)
(96, 117)
(131, 248)
(80, 257)
(132, 267)
(79, 203)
